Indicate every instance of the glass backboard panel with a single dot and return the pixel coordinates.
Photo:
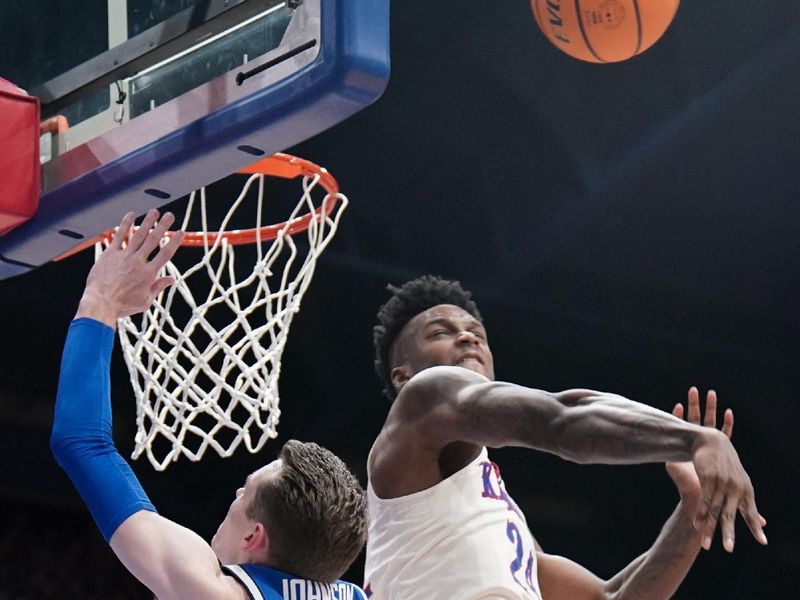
(153, 52)
(214, 57)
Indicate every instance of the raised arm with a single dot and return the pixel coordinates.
(170, 560)
(441, 406)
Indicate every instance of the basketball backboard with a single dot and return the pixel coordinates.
(165, 97)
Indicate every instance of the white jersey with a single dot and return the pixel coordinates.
(462, 539)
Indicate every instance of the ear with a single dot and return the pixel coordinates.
(400, 376)
(256, 541)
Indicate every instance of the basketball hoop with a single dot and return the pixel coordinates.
(205, 359)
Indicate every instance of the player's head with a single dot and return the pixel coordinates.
(428, 321)
(304, 513)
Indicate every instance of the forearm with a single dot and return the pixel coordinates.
(579, 425)
(81, 438)
(657, 573)
(599, 427)
(442, 405)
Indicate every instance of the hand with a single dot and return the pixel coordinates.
(724, 486)
(683, 473)
(124, 281)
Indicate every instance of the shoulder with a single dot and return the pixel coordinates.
(428, 403)
(423, 421)
(444, 374)
(435, 386)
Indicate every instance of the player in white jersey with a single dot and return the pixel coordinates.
(293, 528)
(442, 525)
(462, 538)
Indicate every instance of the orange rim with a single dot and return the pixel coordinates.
(277, 165)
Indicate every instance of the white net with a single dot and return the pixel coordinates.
(205, 359)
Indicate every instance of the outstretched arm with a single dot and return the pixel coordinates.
(171, 560)
(444, 405)
(657, 573)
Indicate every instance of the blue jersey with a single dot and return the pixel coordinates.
(266, 583)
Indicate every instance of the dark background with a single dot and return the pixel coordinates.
(629, 227)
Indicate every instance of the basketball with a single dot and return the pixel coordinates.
(603, 31)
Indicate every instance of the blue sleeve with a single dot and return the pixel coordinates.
(81, 438)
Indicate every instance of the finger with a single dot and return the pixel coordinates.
(156, 234)
(707, 487)
(159, 285)
(727, 423)
(678, 410)
(168, 250)
(713, 510)
(122, 231)
(727, 522)
(711, 409)
(694, 406)
(143, 231)
(752, 517)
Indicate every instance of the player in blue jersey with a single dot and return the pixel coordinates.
(438, 505)
(294, 527)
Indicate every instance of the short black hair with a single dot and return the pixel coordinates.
(315, 512)
(407, 301)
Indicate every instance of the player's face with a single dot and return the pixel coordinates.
(446, 335)
(227, 542)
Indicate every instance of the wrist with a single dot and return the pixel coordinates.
(706, 437)
(689, 501)
(95, 306)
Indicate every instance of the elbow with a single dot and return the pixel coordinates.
(58, 441)
(67, 444)
(65, 438)
(61, 444)
(612, 589)
(612, 592)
